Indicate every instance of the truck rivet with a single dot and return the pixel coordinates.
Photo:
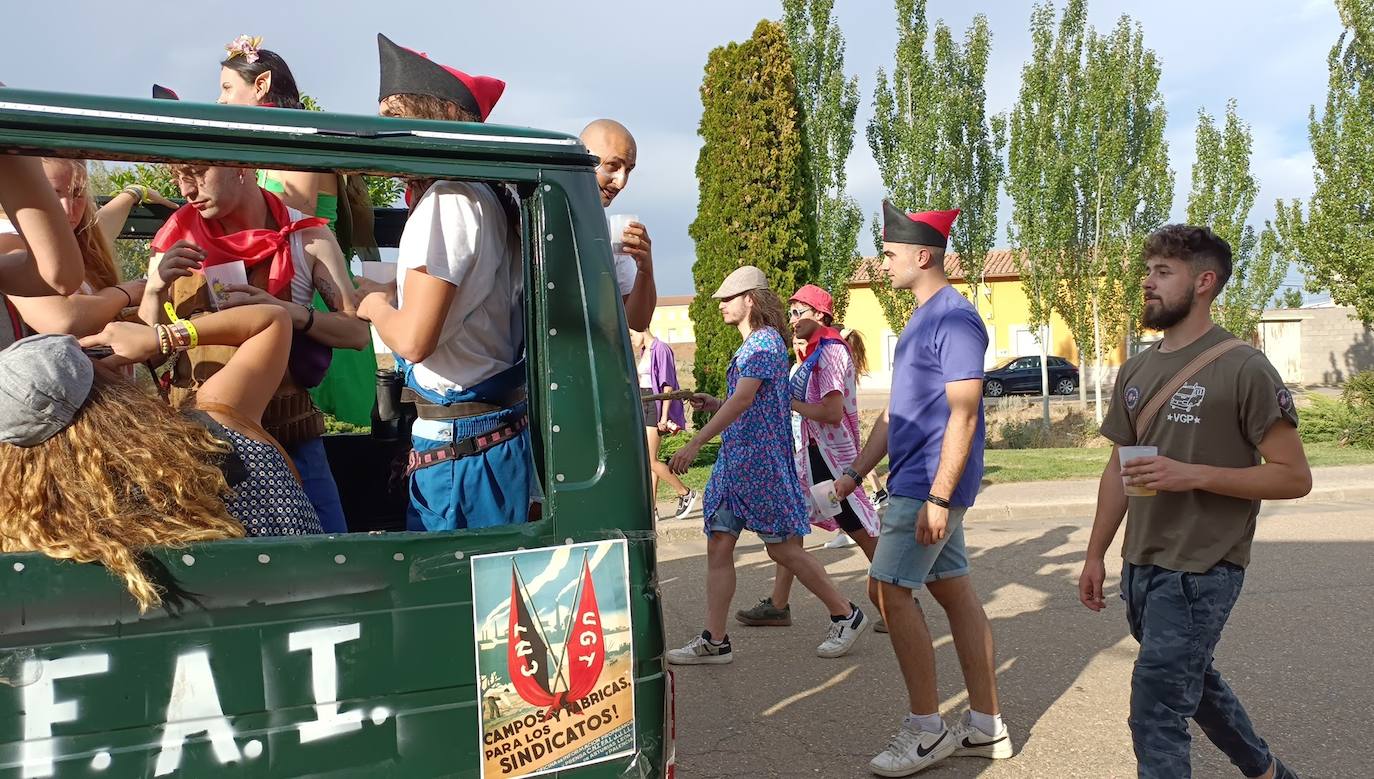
(264, 559)
(340, 559)
(188, 560)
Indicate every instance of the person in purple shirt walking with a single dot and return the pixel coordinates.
(932, 432)
(657, 368)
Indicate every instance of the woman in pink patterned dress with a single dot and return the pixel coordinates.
(825, 395)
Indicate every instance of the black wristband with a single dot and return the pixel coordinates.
(309, 319)
(853, 474)
(941, 502)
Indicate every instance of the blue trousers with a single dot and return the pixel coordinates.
(485, 490)
(318, 482)
(1177, 617)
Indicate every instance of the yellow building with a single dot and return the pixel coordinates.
(1001, 303)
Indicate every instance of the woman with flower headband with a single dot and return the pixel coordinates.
(205, 472)
(253, 76)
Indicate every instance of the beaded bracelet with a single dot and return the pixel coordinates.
(164, 340)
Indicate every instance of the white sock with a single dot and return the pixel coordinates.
(930, 723)
(990, 724)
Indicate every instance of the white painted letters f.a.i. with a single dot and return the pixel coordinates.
(324, 674)
(42, 709)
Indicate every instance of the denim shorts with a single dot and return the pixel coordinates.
(725, 521)
(901, 560)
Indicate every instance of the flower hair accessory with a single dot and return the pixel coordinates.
(246, 46)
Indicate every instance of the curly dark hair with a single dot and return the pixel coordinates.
(1198, 246)
(284, 92)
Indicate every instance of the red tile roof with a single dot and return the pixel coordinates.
(1000, 266)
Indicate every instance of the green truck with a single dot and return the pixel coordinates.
(504, 652)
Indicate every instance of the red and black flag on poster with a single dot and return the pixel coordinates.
(527, 653)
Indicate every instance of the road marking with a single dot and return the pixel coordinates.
(791, 699)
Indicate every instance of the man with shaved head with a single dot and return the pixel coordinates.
(613, 145)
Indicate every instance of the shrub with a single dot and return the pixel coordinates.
(706, 456)
(1333, 421)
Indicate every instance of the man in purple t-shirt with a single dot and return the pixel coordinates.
(933, 432)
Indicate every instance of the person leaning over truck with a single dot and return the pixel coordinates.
(1230, 442)
(288, 257)
(616, 152)
(49, 262)
(456, 322)
(121, 471)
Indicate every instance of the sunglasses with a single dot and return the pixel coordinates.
(798, 313)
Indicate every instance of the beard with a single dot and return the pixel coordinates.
(1165, 316)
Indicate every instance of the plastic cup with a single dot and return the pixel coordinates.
(380, 272)
(617, 224)
(1126, 455)
(217, 276)
(827, 502)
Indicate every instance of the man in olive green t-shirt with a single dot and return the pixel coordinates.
(1227, 438)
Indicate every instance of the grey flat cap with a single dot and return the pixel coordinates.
(44, 380)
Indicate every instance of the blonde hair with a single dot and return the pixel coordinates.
(127, 474)
(857, 349)
(96, 253)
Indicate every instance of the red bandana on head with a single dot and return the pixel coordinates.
(251, 246)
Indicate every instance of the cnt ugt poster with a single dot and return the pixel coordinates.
(554, 657)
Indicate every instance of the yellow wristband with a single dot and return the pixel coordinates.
(195, 336)
(171, 312)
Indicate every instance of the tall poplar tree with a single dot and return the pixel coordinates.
(754, 186)
(1043, 229)
(934, 143)
(1333, 241)
(829, 101)
(1125, 191)
(1223, 193)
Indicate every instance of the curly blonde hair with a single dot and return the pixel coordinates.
(127, 474)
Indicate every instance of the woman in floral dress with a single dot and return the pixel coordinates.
(754, 483)
(824, 390)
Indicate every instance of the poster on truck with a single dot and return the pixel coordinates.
(554, 657)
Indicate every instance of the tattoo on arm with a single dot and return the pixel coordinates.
(326, 287)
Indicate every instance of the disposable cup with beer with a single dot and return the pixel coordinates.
(617, 224)
(1126, 455)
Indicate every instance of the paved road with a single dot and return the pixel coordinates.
(1297, 649)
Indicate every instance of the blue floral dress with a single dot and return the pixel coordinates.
(754, 476)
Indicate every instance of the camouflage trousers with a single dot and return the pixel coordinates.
(1177, 617)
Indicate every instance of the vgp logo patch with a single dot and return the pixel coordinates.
(1185, 401)
(1132, 398)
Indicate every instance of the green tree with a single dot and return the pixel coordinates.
(1125, 190)
(130, 255)
(1333, 241)
(754, 186)
(1222, 195)
(1043, 229)
(382, 191)
(829, 102)
(1291, 297)
(934, 143)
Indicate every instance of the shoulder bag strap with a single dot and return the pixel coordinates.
(1151, 410)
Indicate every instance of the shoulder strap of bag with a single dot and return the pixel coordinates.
(1151, 410)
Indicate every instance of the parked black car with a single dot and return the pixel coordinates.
(1022, 374)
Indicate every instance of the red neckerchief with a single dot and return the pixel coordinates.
(813, 342)
(251, 246)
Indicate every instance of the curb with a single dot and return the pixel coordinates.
(690, 528)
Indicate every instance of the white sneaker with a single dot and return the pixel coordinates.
(700, 651)
(686, 504)
(973, 742)
(913, 750)
(840, 541)
(843, 634)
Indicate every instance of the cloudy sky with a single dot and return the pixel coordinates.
(567, 63)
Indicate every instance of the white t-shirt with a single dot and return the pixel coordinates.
(459, 233)
(626, 270)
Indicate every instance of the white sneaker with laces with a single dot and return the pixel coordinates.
(686, 503)
(970, 741)
(842, 635)
(913, 750)
(840, 541)
(700, 651)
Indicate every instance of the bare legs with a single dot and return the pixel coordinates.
(720, 581)
(915, 654)
(659, 469)
(782, 577)
(790, 555)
